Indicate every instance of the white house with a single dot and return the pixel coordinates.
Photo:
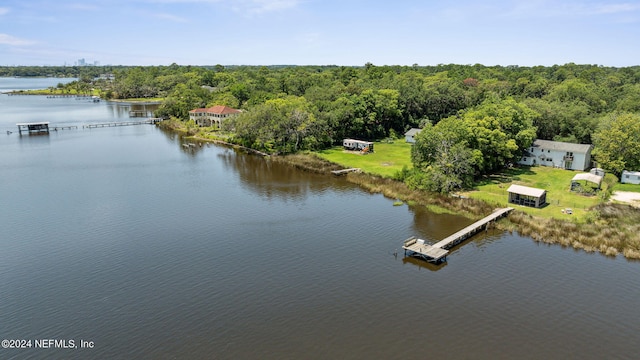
(558, 154)
(213, 116)
(630, 177)
(410, 135)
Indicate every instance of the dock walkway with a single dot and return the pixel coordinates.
(344, 171)
(438, 251)
(122, 123)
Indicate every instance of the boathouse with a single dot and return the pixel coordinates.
(34, 127)
(357, 145)
(527, 196)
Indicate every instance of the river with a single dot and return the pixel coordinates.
(136, 247)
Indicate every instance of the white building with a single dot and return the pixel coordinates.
(410, 135)
(558, 154)
(630, 177)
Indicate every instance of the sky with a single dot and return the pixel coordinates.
(320, 32)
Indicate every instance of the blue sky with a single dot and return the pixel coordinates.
(320, 32)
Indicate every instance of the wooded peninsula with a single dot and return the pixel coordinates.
(476, 122)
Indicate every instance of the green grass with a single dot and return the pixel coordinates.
(387, 159)
(556, 181)
(627, 187)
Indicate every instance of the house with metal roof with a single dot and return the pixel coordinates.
(527, 196)
(213, 116)
(558, 154)
(596, 180)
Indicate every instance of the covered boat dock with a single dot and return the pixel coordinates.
(34, 127)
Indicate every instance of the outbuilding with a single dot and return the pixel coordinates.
(410, 135)
(586, 177)
(527, 196)
(630, 177)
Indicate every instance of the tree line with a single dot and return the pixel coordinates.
(476, 118)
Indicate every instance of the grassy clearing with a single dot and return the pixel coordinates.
(556, 181)
(387, 159)
(627, 187)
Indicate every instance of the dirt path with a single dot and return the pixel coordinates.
(629, 197)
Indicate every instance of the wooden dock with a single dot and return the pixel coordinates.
(438, 251)
(122, 123)
(344, 171)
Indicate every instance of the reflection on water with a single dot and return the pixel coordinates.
(421, 264)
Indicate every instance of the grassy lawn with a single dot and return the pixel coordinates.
(627, 187)
(385, 161)
(555, 181)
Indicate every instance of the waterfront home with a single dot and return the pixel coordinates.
(527, 196)
(409, 136)
(630, 177)
(558, 154)
(213, 116)
(357, 145)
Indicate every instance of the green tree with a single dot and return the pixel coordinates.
(441, 157)
(500, 130)
(616, 142)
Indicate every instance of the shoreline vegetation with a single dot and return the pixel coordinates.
(608, 228)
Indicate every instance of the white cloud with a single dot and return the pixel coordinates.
(14, 41)
(83, 7)
(170, 17)
(616, 8)
(3, 10)
(263, 6)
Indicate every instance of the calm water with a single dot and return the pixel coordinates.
(122, 237)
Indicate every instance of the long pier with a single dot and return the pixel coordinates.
(122, 123)
(438, 251)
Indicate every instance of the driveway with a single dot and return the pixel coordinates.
(629, 197)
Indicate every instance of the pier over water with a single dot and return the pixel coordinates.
(438, 251)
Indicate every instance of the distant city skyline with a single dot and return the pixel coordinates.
(314, 32)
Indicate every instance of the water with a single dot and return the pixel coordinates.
(123, 237)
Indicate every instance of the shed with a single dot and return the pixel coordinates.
(586, 177)
(527, 196)
(630, 177)
(409, 136)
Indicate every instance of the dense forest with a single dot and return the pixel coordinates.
(476, 118)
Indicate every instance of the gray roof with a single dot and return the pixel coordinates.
(525, 190)
(588, 177)
(562, 146)
(412, 132)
